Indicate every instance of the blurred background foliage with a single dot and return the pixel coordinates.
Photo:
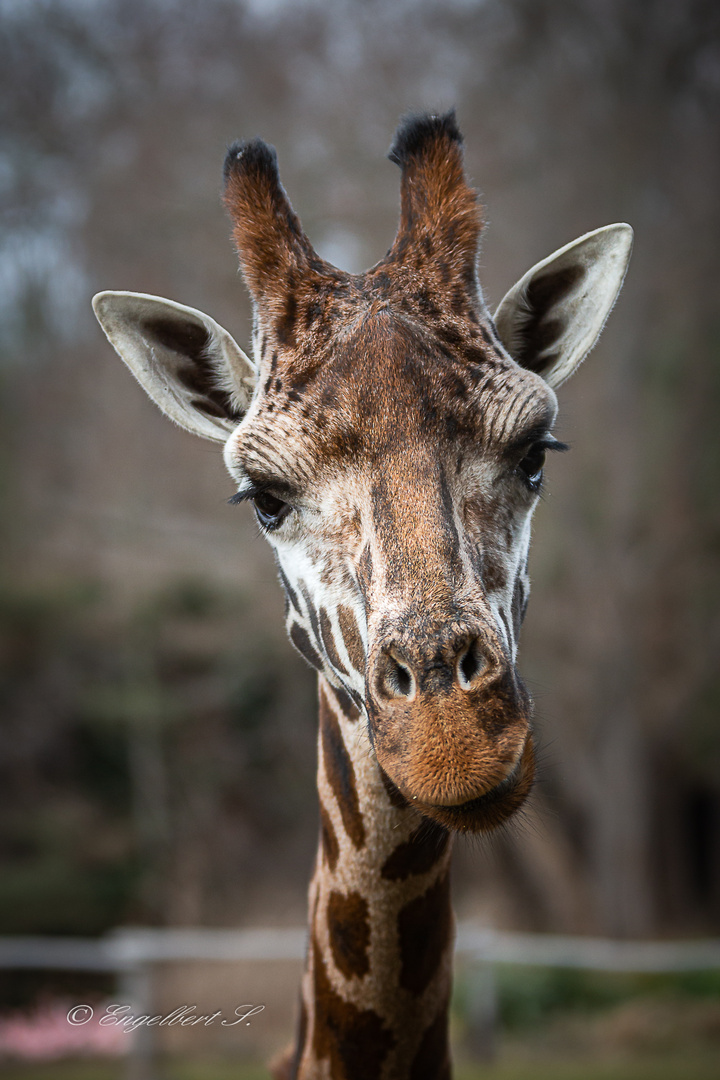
(157, 730)
(144, 754)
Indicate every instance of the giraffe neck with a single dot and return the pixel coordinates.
(376, 988)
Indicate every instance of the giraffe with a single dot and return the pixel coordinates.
(391, 437)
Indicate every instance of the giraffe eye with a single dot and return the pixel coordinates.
(270, 510)
(531, 466)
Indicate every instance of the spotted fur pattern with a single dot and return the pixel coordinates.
(373, 1003)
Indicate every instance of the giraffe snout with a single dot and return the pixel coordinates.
(401, 672)
(450, 723)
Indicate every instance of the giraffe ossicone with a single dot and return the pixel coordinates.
(392, 436)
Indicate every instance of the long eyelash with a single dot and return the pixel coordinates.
(243, 496)
(551, 443)
(535, 438)
(281, 489)
(250, 492)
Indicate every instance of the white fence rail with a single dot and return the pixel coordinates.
(123, 950)
(593, 954)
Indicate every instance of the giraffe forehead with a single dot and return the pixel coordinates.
(386, 386)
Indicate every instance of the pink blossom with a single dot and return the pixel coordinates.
(45, 1034)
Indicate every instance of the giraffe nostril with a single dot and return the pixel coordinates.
(403, 679)
(471, 664)
(397, 678)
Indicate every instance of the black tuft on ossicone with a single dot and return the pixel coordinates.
(251, 156)
(416, 132)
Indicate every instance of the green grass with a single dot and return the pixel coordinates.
(530, 997)
(63, 1070)
(216, 1070)
(116, 1070)
(675, 1067)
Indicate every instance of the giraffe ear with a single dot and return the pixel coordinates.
(550, 320)
(191, 368)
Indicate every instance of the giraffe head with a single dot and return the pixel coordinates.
(392, 436)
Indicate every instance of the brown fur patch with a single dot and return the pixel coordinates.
(328, 639)
(417, 855)
(289, 591)
(301, 641)
(365, 568)
(328, 839)
(519, 605)
(494, 574)
(432, 1060)
(346, 704)
(428, 919)
(351, 637)
(349, 932)
(396, 797)
(312, 614)
(340, 773)
(355, 1041)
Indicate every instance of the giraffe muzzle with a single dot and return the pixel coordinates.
(451, 730)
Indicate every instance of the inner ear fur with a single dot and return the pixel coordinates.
(188, 364)
(550, 320)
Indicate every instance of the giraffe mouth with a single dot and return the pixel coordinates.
(494, 807)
